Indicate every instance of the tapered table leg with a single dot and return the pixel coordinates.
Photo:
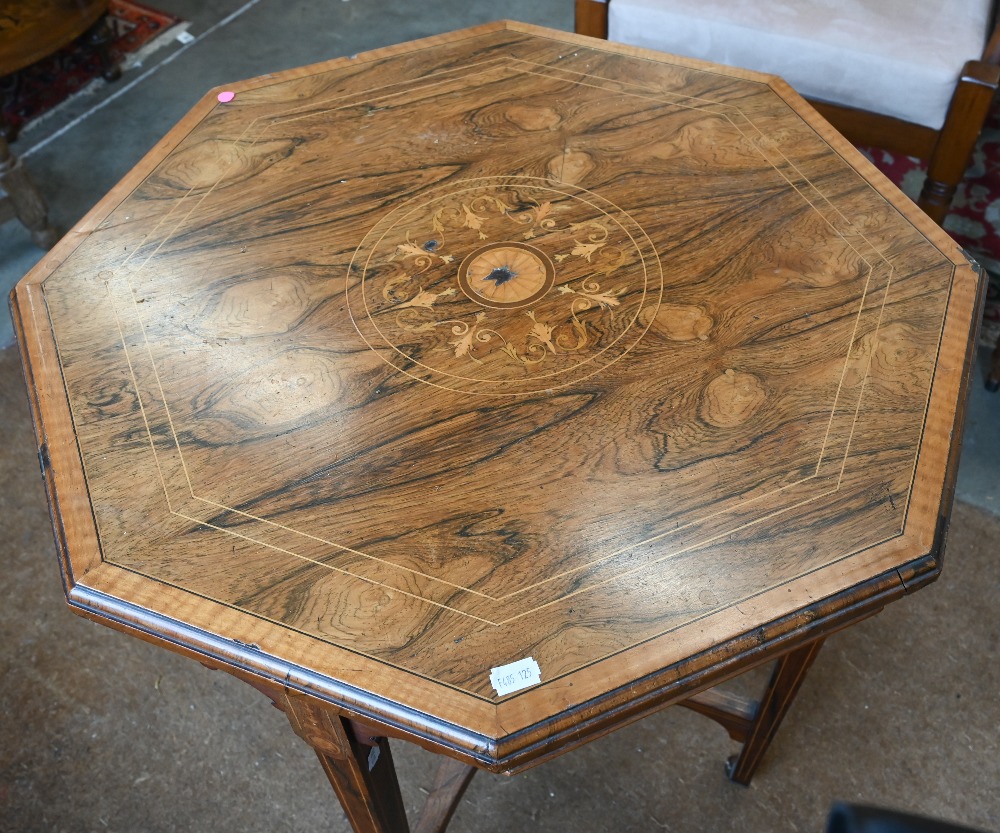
(358, 763)
(789, 672)
(449, 786)
(363, 777)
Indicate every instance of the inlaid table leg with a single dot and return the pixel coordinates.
(789, 672)
(449, 786)
(363, 776)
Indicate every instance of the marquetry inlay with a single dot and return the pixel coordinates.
(505, 285)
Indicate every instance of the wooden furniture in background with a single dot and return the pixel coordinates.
(947, 150)
(31, 30)
(504, 345)
(21, 200)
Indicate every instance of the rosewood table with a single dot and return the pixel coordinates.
(495, 390)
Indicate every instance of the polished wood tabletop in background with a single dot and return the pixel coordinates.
(505, 344)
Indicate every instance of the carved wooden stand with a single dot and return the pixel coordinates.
(358, 762)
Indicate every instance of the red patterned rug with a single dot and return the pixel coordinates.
(974, 218)
(35, 90)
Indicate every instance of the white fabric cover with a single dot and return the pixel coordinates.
(897, 57)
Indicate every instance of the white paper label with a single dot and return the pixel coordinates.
(516, 675)
(185, 37)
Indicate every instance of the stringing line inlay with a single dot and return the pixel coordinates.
(132, 336)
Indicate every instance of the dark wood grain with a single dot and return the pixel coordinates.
(403, 367)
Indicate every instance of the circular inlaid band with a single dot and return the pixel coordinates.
(506, 275)
(504, 285)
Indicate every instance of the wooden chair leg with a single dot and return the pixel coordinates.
(364, 777)
(789, 672)
(592, 18)
(23, 199)
(967, 113)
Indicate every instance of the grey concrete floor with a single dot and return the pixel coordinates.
(101, 732)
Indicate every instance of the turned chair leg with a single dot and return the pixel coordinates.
(967, 113)
(23, 199)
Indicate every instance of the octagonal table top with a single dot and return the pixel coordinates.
(499, 345)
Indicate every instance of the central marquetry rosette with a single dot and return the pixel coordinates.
(504, 285)
(506, 275)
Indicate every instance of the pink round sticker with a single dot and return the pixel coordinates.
(226, 96)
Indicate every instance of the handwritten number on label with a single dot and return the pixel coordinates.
(514, 676)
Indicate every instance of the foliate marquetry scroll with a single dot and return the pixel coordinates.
(504, 285)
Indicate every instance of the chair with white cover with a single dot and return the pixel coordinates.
(914, 77)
